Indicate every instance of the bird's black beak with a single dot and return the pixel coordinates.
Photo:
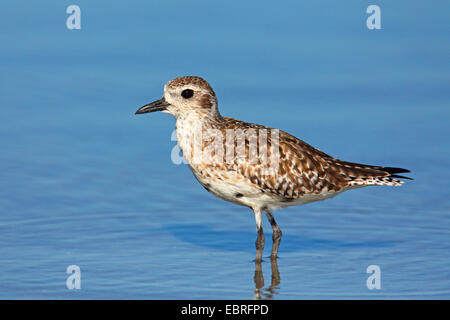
(157, 105)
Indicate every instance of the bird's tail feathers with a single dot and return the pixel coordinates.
(384, 176)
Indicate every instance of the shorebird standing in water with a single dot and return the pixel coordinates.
(253, 165)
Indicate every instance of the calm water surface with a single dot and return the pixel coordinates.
(86, 182)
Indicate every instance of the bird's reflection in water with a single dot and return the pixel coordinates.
(262, 292)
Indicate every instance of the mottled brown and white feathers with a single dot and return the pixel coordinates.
(303, 174)
(302, 170)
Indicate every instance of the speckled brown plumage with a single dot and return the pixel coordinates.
(303, 169)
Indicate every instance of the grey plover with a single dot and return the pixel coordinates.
(238, 168)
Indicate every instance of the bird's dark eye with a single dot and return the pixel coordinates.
(187, 93)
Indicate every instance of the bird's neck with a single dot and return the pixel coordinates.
(200, 117)
(193, 129)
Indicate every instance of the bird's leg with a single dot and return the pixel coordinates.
(259, 244)
(260, 239)
(276, 235)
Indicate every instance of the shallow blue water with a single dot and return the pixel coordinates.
(86, 182)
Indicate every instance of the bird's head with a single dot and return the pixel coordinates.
(185, 96)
